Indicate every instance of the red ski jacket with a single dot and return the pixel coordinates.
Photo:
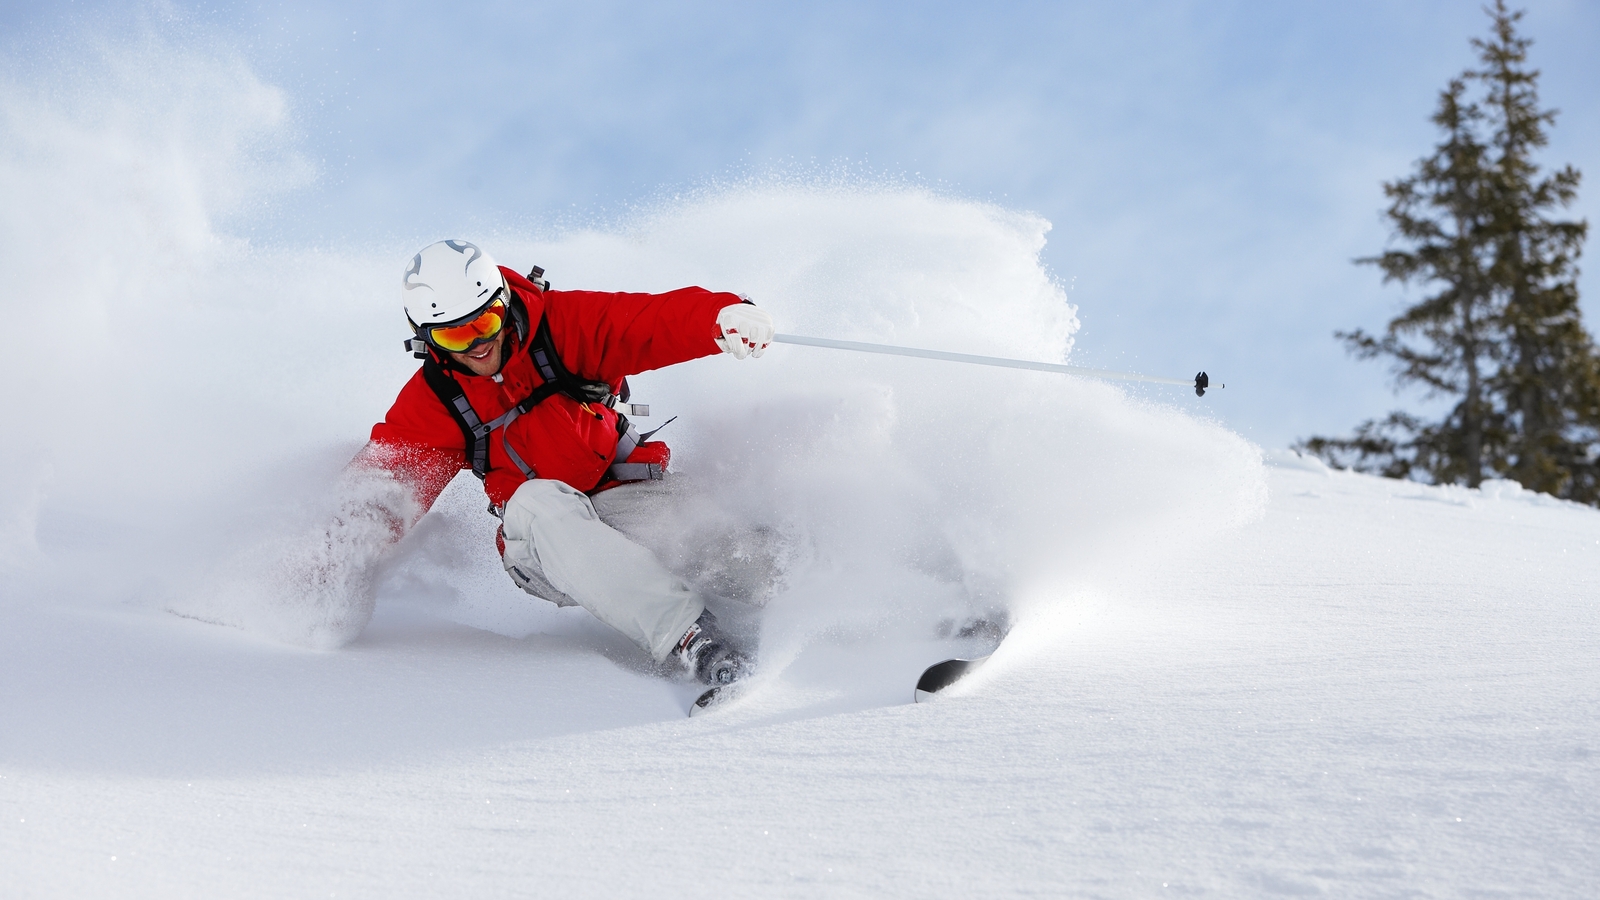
(599, 336)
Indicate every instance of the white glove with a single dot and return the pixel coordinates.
(746, 330)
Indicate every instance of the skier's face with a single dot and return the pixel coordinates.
(485, 358)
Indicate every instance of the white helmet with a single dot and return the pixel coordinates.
(448, 280)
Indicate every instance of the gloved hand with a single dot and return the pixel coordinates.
(746, 330)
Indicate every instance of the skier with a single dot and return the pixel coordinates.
(518, 382)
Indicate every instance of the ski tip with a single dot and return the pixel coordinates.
(941, 675)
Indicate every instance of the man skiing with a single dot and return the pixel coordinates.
(519, 383)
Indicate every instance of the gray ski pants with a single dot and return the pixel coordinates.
(558, 549)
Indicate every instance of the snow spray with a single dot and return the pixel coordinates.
(194, 446)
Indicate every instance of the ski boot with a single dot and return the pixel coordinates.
(708, 656)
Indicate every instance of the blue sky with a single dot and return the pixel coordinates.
(1210, 168)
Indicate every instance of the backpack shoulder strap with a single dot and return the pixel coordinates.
(555, 373)
(473, 429)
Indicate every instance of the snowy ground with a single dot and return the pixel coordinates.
(1378, 689)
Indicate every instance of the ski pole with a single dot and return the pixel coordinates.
(1200, 382)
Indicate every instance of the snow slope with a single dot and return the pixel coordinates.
(1378, 689)
(1224, 677)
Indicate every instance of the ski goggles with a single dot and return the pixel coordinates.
(459, 336)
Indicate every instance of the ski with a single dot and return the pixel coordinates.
(939, 676)
(720, 695)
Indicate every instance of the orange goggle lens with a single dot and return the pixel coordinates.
(460, 337)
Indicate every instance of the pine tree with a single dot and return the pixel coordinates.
(1449, 341)
(1502, 333)
(1551, 378)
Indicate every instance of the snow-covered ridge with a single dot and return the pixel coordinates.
(1492, 490)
